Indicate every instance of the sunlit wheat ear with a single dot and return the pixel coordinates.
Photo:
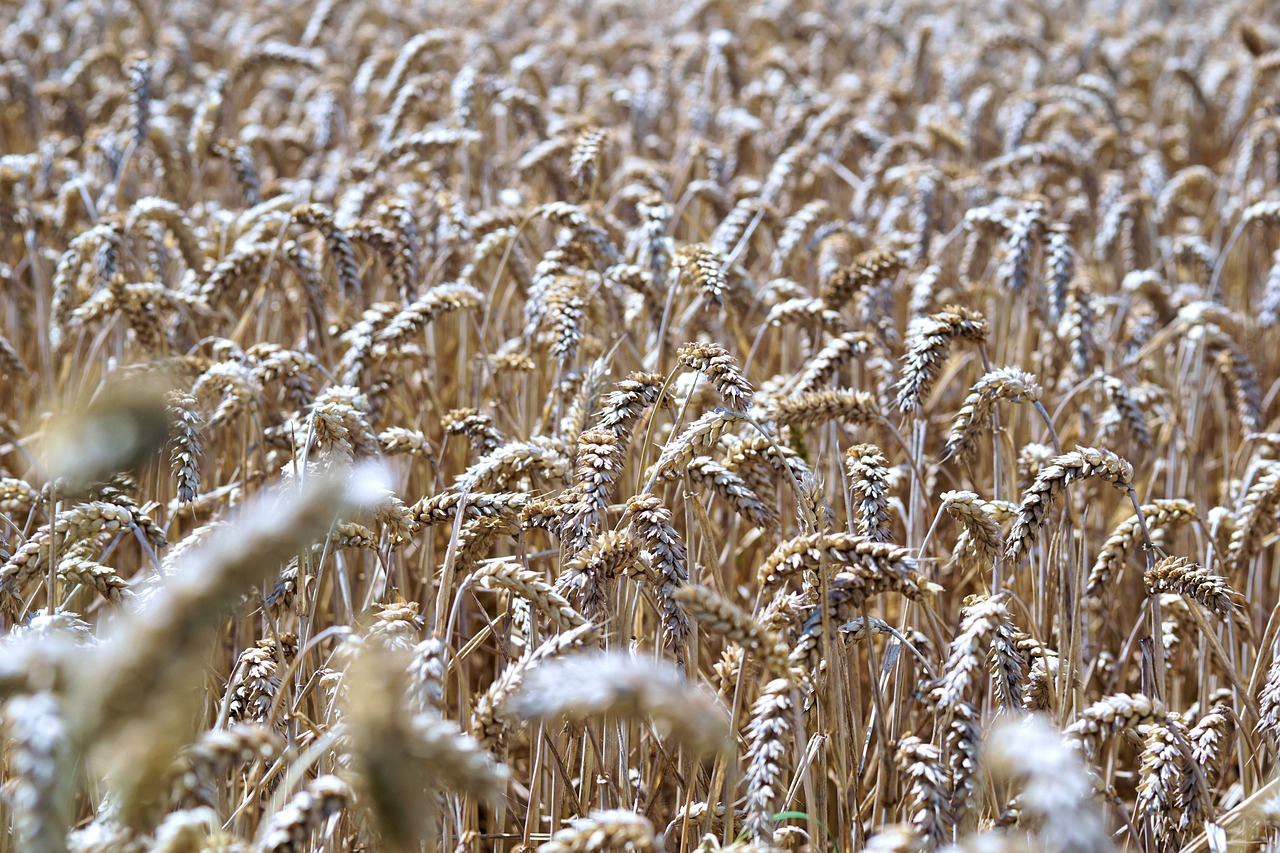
(869, 478)
(1033, 510)
(696, 437)
(929, 348)
(819, 407)
(1255, 516)
(616, 685)
(491, 715)
(610, 829)
(768, 748)
(1177, 574)
(720, 368)
(1008, 384)
(290, 829)
(1109, 716)
(929, 802)
(477, 427)
(40, 755)
(1049, 781)
(202, 766)
(866, 270)
(717, 615)
(531, 586)
(143, 666)
(1161, 516)
(650, 523)
(982, 540)
(986, 640)
(826, 363)
(590, 576)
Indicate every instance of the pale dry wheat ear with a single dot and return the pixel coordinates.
(1128, 411)
(1181, 576)
(706, 268)
(734, 490)
(201, 767)
(963, 745)
(428, 672)
(868, 470)
(1211, 739)
(713, 361)
(600, 461)
(1009, 384)
(1033, 509)
(986, 639)
(289, 830)
(443, 508)
(929, 802)
(1163, 796)
(1054, 794)
(491, 715)
(477, 427)
(589, 577)
(826, 363)
(42, 758)
(981, 542)
(867, 269)
(516, 459)
(1110, 715)
(815, 408)
(406, 761)
(1256, 516)
(529, 585)
(875, 562)
(416, 315)
(702, 434)
(650, 523)
(185, 444)
(1161, 517)
(617, 685)
(255, 682)
(337, 241)
(624, 406)
(607, 829)
(718, 615)
(769, 736)
(141, 668)
(929, 347)
(83, 521)
(1269, 702)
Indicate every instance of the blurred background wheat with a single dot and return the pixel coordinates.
(573, 426)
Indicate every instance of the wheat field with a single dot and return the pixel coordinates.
(571, 426)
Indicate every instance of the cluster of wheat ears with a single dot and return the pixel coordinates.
(702, 425)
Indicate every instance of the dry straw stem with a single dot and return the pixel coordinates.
(612, 684)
